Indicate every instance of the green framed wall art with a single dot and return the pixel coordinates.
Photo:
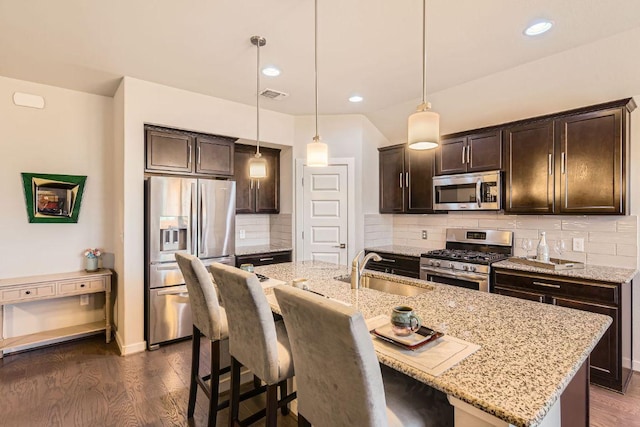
(53, 198)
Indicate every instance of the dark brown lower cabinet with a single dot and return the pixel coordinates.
(265, 258)
(610, 364)
(402, 265)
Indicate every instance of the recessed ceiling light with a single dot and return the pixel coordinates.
(538, 27)
(271, 71)
(355, 98)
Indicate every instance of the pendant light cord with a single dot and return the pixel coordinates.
(258, 101)
(424, 52)
(317, 137)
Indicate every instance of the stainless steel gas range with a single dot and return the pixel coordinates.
(467, 257)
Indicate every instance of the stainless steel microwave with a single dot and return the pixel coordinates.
(469, 191)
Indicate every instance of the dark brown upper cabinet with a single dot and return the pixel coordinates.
(406, 178)
(529, 168)
(474, 152)
(574, 162)
(183, 152)
(257, 195)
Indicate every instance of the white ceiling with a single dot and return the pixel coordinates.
(369, 47)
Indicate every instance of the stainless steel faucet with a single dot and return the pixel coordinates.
(357, 267)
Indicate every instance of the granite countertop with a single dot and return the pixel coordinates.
(529, 351)
(399, 249)
(590, 272)
(261, 249)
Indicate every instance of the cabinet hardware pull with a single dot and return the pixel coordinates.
(266, 259)
(550, 162)
(82, 285)
(258, 183)
(541, 298)
(469, 154)
(562, 165)
(406, 180)
(198, 155)
(400, 179)
(28, 293)
(252, 184)
(388, 260)
(189, 159)
(463, 150)
(548, 285)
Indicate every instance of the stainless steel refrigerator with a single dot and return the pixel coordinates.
(182, 215)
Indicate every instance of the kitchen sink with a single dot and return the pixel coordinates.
(387, 286)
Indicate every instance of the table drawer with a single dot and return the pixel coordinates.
(25, 293)
(81, 286)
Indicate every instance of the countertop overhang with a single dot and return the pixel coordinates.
(529, 353)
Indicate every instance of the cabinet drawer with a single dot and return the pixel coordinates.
(25, 293)
(575, 288)
(264, 259)
(80, 287)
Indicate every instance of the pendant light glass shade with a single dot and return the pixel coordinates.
(258, 165)
(424, 124)
(317, 151)
(424, 129)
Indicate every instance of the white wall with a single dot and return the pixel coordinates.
(146, 102)
(72, 136)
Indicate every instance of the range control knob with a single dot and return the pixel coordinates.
(431, 262)
(464, 268)
(472, 268)
(437, 264)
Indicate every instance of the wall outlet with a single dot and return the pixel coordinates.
(242, 234)
(84, 299)
(424, 234)
(578, 244)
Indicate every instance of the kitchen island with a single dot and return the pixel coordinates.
(530, 353)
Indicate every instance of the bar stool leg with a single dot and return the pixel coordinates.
(234, 399)
(283, 393)
(272, 405)
(302, 421)
(195, 371)
(215, 382)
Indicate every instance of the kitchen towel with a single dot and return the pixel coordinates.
(434, 358)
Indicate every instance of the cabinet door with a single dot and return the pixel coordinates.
(245, 193)
(419, 185)
(268, 189)
(392, 180)
(605, 357)
(590, 160)
(484, 151)
(214, 156)
(531, 296)
(451, 156)
(529, 168)
(168, 152)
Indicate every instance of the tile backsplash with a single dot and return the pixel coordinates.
(263, 230)
(609, 240)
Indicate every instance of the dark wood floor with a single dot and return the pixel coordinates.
(86, 383)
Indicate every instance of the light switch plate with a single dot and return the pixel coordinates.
(424, 234)
(242, 234)
(578, 244)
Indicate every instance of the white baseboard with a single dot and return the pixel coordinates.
(636, 365)
(126, 350)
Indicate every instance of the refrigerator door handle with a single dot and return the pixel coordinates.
(193, 219)
(203, 221)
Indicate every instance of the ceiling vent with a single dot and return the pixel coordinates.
(273, 94)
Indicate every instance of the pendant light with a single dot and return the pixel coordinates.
(258, 165)
(424, 124)
(317, 151)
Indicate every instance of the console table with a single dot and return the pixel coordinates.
(37, 288)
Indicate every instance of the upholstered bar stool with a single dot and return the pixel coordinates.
(256, 341)
(210, 320)
(339, 379)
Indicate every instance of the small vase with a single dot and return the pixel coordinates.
(91, 263)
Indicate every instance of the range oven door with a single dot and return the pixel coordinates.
(478, 282)
(471, 191)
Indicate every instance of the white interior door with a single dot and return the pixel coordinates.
(325, 210)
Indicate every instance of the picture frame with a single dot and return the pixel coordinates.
(53, 198)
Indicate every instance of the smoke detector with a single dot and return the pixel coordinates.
(273, 94)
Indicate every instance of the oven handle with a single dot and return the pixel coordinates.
(450, 275)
